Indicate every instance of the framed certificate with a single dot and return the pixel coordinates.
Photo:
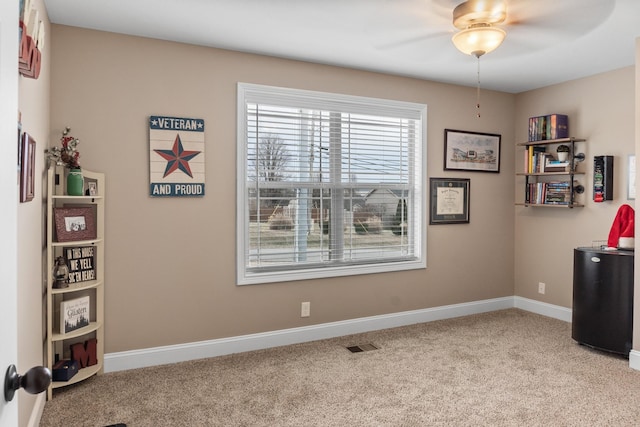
(449, 200)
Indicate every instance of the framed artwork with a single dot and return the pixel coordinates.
(176, 157)
(75, 223)
(471, 151)
(449, 200)
(27, 167)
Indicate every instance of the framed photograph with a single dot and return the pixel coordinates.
(75, 223)
(471, 151)
(27, 167)
(92, 188)
(449, 200)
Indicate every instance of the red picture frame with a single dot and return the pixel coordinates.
(75, 223)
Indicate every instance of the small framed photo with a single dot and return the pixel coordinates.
(92, 188)
(27, 167)
(449, 200)
(471, 151)
(75, 223)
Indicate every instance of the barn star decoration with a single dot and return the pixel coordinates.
(177, 158)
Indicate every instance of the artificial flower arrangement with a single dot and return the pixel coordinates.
(67, 154)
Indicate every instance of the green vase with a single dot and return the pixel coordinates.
(75, 183)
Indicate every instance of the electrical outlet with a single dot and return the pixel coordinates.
(541, 287)
(305, 309)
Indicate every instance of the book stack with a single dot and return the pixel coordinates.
(549, 193)
(553, 165)
(537, 160)
(551, 126)
(557, 193)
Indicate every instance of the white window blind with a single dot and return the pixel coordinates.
(328, 185)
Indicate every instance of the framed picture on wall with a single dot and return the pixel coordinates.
(471, 151)
(449, 200)
(27, 167)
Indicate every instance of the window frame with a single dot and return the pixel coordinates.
(261, 94)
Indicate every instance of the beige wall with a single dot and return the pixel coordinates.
(601, 109)
(34, 105)
(170, 263)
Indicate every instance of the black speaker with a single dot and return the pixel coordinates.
(602, 178)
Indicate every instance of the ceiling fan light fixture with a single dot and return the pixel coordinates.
(479, 39)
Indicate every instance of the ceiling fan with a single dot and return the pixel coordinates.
(425, 29)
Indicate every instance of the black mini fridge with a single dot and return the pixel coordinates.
(602, 315)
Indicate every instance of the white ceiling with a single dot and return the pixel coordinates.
(548, 41)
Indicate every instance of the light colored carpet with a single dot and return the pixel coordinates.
(505, 368)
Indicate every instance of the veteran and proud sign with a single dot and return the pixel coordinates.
(176, 157)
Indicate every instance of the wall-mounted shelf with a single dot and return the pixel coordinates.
(555, 188)
(570, 140)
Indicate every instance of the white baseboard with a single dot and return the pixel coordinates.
(38, 409)
(543, 308)
(198, 350)
(219, 347)
(634, 359)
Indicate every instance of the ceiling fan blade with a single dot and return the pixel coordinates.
(534, 26)
(407, 21)
(557, 15)
(413, 40)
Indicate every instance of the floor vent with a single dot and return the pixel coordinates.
(362, 347)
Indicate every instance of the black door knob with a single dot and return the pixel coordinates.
(35, 381)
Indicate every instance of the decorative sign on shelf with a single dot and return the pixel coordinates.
(81, 261)
(176, 157)
(74, 314)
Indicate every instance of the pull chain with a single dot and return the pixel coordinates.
(478, 89)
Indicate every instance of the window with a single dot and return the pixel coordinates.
(328, 185)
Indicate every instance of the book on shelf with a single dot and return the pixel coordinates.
(535, 193)
(558, 126)
(74, 314)
(554, 162)
(550, 126)
(557, 193)
(534, 158)
(538, 160)
(549, 193)
(552, 165)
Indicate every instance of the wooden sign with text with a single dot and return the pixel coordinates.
(81, 261)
